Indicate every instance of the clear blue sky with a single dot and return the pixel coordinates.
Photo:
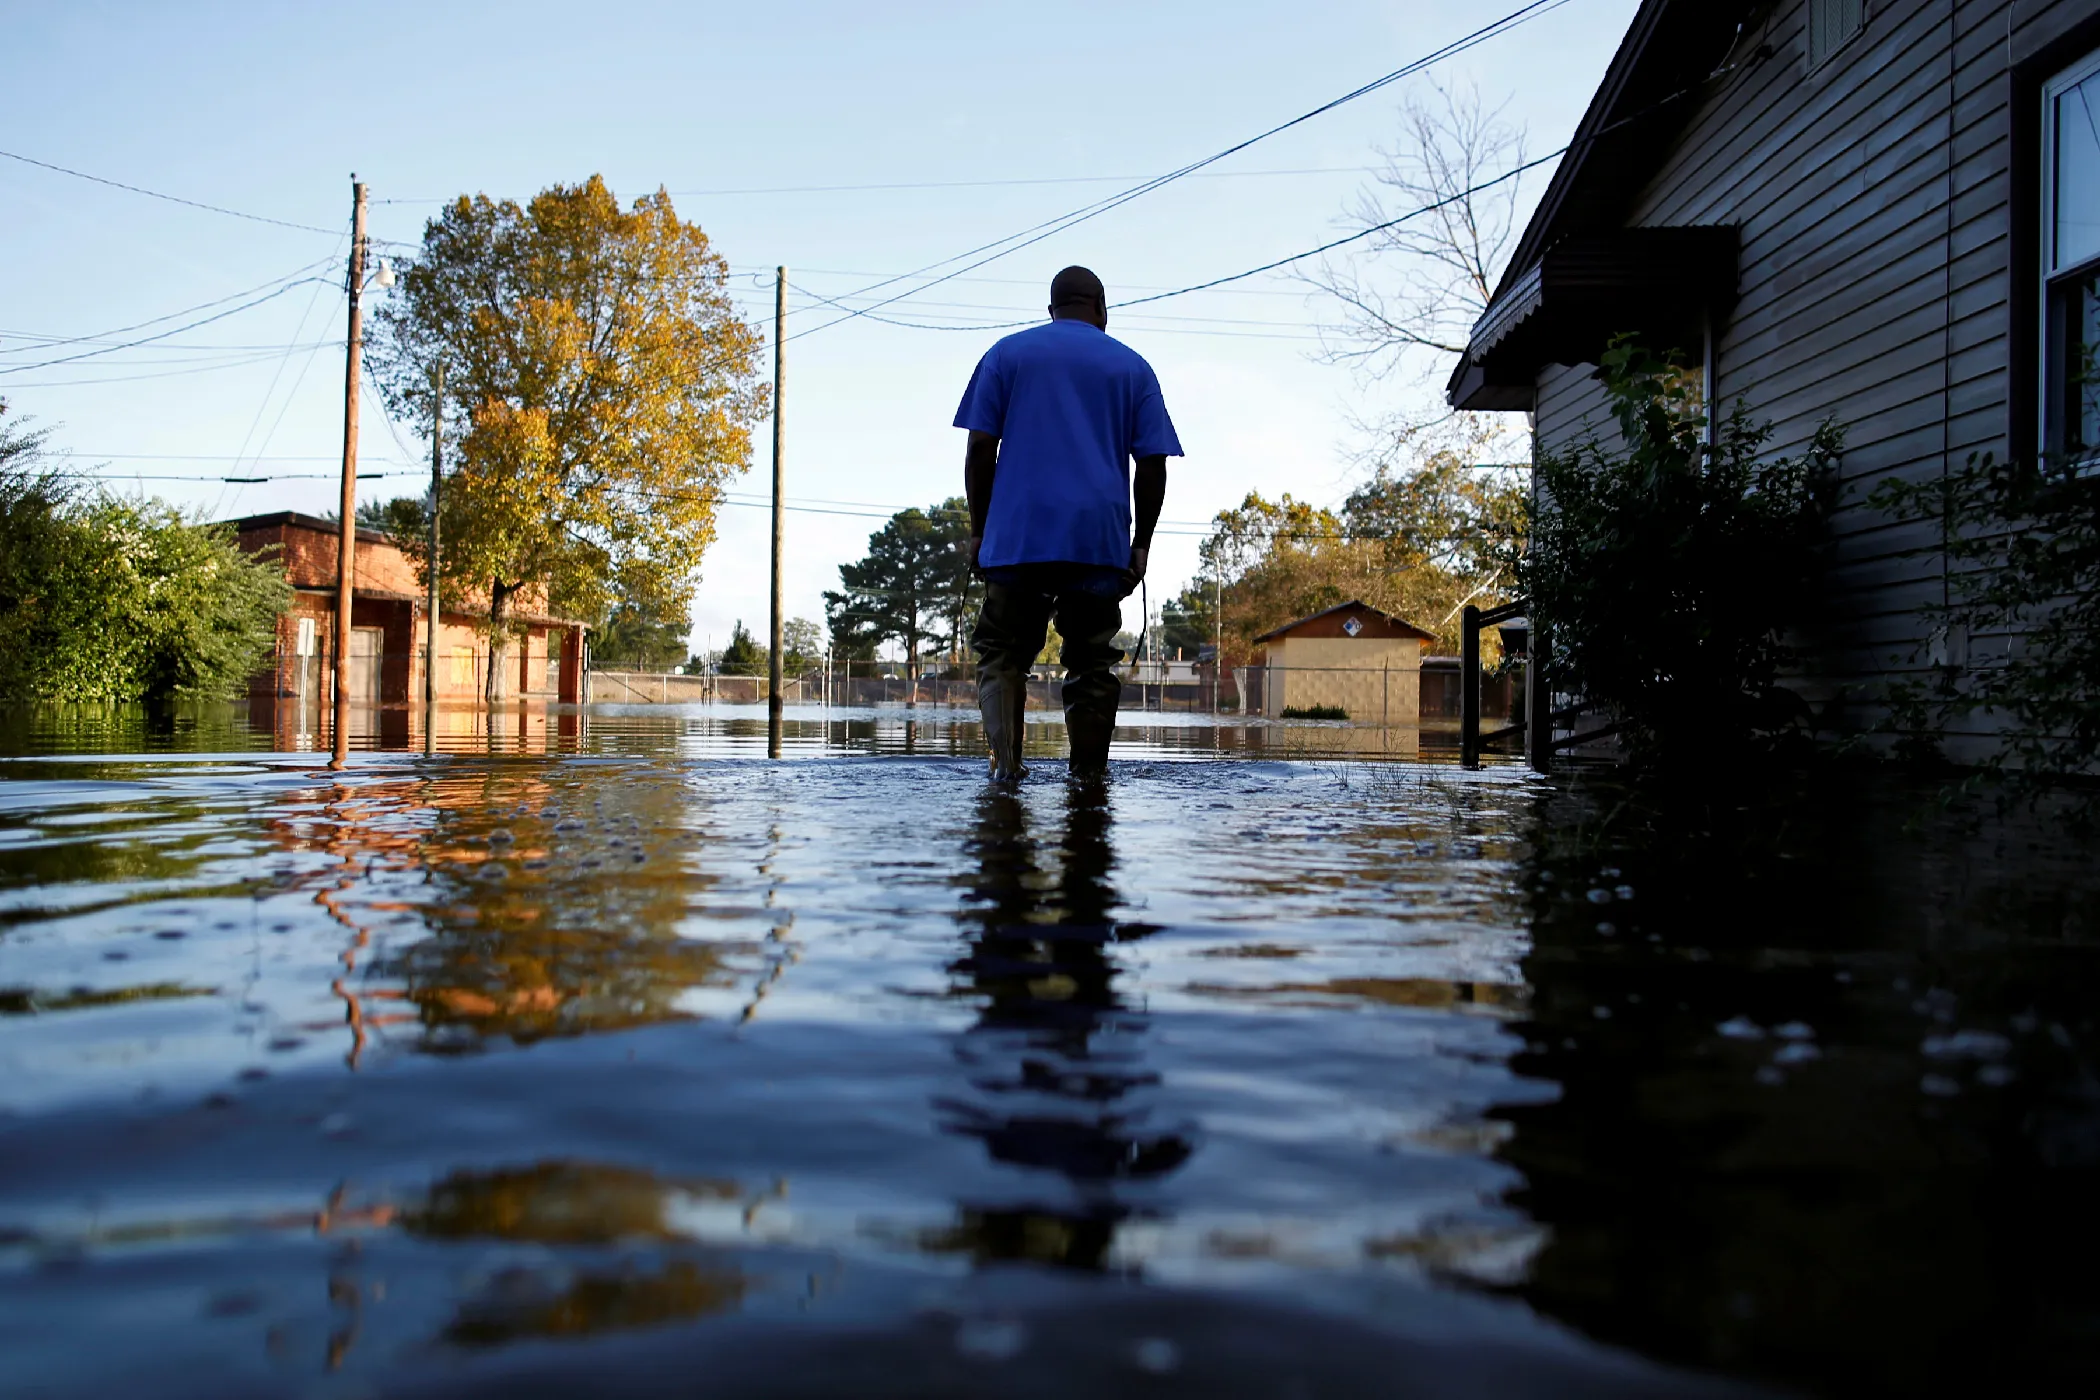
(267, 108)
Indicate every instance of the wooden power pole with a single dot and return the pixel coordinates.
(437, 471)
(346, 548)
(774, 672)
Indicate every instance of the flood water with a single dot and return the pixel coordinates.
(599, 1054)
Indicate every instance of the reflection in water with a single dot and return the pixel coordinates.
(1054, 1061)
(651, 1280)
(540, 913)
(1820, 1111)
(1828, 1104)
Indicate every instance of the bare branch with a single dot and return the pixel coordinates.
(1409, 297)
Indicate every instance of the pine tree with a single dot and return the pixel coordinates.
(914, 586)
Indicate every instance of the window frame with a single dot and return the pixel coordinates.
(2050, 434)
(1811, 62)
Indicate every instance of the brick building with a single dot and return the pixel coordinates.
(387, 620)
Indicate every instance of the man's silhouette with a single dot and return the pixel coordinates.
(1056, 414)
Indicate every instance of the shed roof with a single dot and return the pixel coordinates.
(1672, 52)
(1397, 626)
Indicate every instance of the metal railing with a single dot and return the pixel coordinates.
(1542, 722)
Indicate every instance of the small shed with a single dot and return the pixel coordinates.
(1351, 657)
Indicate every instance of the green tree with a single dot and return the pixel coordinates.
(638, 636)
(105, 599)
(913, 587)
(1182, 626)
(603, 388)
(1417, 541)
(743, 656)
(804, 646)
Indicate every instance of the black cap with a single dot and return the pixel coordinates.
(1077, 285)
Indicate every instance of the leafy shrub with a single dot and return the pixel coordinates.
(103, 599)
(2025, 542)
(1314, 712)
(1668, 568)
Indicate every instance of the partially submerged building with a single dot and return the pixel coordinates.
(1350, 657)
(388, 635)
(1883, 212)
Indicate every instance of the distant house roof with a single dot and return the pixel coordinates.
(1576, 261)
(1331, 622)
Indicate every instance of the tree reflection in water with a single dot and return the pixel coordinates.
(1054, 1061)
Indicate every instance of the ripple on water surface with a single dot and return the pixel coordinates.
(872, 1075)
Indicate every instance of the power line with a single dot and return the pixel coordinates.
(1448, 200)
(1012, 310)
(203, 357)
(278, 374)
(134, 378)
(101, 337)
(721, 497)
(216, 480)
(163, 335)
(201, 457)
(170, 198)
(1037, 283)
(982, 325)
(1485, 185)
(961, 184)
(1037, 233)
(270, 348)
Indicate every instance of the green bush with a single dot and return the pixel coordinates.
(103, 599)
(2025, 542)
(1314, 712)
(1668, 569)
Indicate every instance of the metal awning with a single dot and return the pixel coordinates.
(1658, 283)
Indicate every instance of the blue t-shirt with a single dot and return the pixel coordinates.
(1070, 407)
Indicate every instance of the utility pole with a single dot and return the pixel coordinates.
(437, 471)
(1217, 618)
(346, 548)
(773, 664)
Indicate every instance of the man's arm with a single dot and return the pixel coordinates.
(980, 465)
(1150, 489)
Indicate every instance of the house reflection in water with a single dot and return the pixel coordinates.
(504, 915)
(1054, 1064)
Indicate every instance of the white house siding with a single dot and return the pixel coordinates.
(1874, 202)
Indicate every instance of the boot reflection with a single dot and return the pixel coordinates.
(1057, 1079)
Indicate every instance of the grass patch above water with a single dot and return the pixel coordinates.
(1314, 712)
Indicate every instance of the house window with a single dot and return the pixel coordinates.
(2071, 260)
(1832, 24)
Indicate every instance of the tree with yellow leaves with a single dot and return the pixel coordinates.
(1420, 543)
(600, 388)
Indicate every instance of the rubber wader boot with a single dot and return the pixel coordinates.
(1089, 728)
(1003, 701)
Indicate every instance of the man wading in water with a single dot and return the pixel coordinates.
(1055, 415)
